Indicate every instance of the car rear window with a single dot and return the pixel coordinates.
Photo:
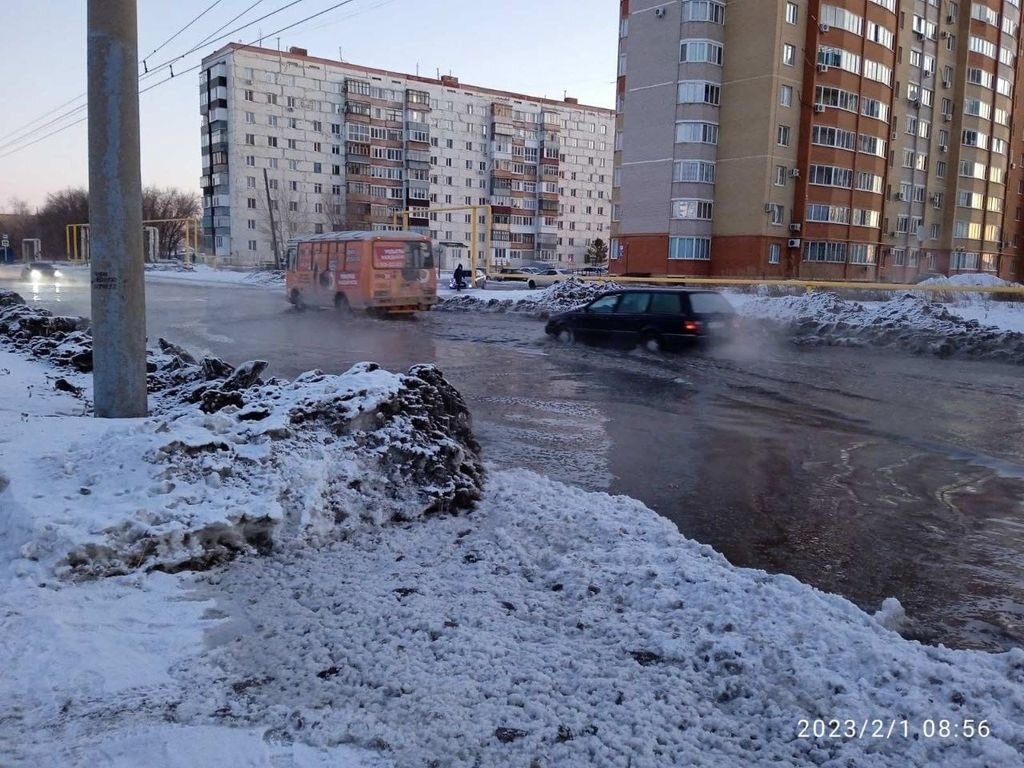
(633, 303)
(709, 303)
(665, 304)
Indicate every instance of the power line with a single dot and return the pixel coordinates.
(206, 39)
(173, 76)
(14, 137)
(170, 62)
(172, 37)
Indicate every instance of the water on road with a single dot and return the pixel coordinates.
(866, 474)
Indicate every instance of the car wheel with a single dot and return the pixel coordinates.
(651, 342)
(565, 335)
(531, 284)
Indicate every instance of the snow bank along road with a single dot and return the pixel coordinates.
(549, 626)
(866, 474)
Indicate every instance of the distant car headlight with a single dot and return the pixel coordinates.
(35, 273)
(58, 273)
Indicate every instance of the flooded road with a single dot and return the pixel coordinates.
(866, 474)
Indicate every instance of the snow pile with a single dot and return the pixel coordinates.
(557, 627)
(906, 322)
(231, 463)
(169, 266)
(541, 303)
(273, 278)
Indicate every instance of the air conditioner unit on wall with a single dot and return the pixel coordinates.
(768, 208)
(824, 28)
(794, 173)
(794, 227)
(823, 67)
(794, 242)
(897, 195)
(943, 148)
(819, 108)
(659, 12)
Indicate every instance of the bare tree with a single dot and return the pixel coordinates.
(334, 211)
(159, 204)
(69, 206)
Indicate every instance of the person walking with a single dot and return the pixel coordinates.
(460, 274)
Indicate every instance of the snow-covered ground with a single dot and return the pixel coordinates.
(549, 626)
(951, 322)
(199, 273)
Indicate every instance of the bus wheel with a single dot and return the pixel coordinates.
(341, 304)
(295, 297)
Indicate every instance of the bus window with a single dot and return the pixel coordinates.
(402, 256)
(293, 257)
(352, 252)
(333, 256)
(305, 257)
(418, 256)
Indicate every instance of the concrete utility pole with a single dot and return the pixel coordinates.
(115, 211)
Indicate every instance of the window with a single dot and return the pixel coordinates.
(700, 51)
(690, 248)
(251, 223)
(786, 95)
(699, 92)
(633, 303)
(827, 214)
(780, 175)
(831, 176)
(605, 304)
(774, 249)
(776, 213)
(700, 210)
(825, 250)
(696, 133)
(249, 96)
(791, 17)
(693, 171)
(704, 10)
(789, 55)
(783, 136)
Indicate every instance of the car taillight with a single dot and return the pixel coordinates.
(691, 326)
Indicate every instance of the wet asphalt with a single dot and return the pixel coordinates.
(863, 473)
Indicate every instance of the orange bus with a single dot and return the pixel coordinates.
(376, 272)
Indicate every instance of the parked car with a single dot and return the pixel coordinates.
(514, 273)
(545, 277)
(654, 318)
(39, 271)
(592, 272)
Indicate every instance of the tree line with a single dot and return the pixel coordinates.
(71, 206)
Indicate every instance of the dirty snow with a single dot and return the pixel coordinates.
(221, 469)
(538, 303)
(908, 322)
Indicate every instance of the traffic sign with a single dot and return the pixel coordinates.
(5, 243)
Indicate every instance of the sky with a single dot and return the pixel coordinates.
(547, 48)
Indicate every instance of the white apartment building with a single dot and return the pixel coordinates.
(315, 145)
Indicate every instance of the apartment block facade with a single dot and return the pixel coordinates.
(830, 139)
(296, 144)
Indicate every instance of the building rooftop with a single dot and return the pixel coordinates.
(446, 81)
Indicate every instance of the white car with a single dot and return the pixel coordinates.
(542, 278)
